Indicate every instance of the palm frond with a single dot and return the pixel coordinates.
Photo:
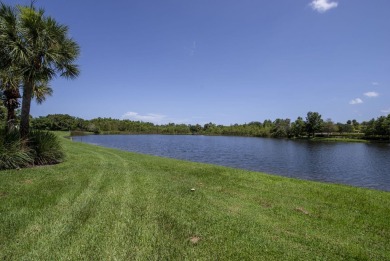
(41, 91)
(70, 71)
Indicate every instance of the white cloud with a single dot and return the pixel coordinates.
(322, 6)
(155, 118)
(386, 111)
(356, 101)
(150, 117)
(371, 94)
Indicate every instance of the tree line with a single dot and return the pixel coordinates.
(311, 126)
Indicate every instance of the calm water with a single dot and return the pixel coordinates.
(357, 164)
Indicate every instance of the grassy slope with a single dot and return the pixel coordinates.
(339, 139)
(104, 204)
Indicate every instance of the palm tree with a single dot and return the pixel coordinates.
(39, 47)
(9, 86)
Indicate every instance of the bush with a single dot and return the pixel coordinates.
(46, 148)
(13, 152)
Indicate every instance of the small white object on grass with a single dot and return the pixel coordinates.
(192, 189)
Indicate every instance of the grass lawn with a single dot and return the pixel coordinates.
(106, 204)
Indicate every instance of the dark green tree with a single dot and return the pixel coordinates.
(329, 126)
(281, 128)
(9, 85)
(356, 125)
(298, 127)
(382, 126)
(314, 123)
(195, 128)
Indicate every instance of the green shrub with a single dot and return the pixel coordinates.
(46, 148)
(13, 152)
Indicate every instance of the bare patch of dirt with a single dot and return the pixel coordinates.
(28, 181)
(33, 229)
(302, 210)
(234, 209)
(265, 204)
(3, 194)
(194, 239)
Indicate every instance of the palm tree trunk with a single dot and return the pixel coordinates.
(26, 104)
(11, 103)
(11, 116)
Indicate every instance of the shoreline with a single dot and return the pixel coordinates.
(315, 139)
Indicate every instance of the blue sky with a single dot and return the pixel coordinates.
(224, 61)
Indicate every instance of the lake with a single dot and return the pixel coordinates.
(356, 164)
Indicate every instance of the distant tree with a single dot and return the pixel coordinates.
(382, 126)
(267, 123)
(62, 122)
(195, 128)
(209, 126)
(356, 126)
(314, 123)
(377, 127)
(369, 127)
(387, 125)
(329, 126)
(255, 123)
(281, 128)
(93, 128)
(298, 127)
(344, 128)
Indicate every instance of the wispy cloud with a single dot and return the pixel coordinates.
(192, 49)
(371, 94)
(150, 117)
(386, 111)
(356, 101)
(375, 83)
(322, 6)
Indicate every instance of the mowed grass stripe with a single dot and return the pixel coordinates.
(105, 204)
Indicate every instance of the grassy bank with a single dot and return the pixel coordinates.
(105, 204)
(339, 140)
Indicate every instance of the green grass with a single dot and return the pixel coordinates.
(105, 204)
(334, 139)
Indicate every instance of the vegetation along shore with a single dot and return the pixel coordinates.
(313, 126)
(105, 204)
